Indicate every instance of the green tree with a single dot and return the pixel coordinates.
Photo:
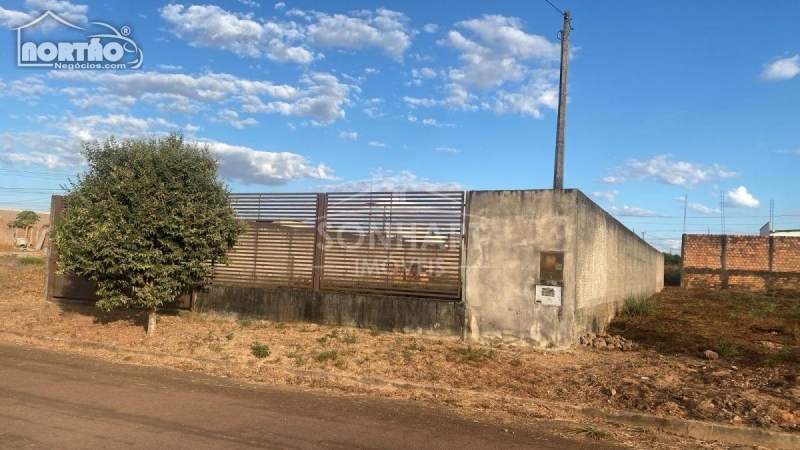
(24, 220)
(144, 221)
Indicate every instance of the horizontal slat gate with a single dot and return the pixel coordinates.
(406, 243)
(394, 243)
(278, 247)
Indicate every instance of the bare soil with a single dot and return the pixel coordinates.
(755, 384)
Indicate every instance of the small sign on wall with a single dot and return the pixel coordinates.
(548, 295)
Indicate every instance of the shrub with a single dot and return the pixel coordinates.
(259, 351)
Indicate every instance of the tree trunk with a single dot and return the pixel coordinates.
(151, 322)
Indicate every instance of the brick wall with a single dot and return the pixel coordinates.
(741, 262)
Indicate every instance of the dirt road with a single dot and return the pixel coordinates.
(49, 400)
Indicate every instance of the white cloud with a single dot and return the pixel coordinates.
(371, 70)
(430, 28)
(83, 99)
(169, 67)
(607, 195)
(425, 72)
(781, 69)
(414, 102)
(348, 135)
(66, 10)
(384, 29)
(231, 117)
(12, 19)
(320, 96)
(448, 149)
(631, 211)
(58, 147)
(662, 169)
(28, 88)
(740, 197)
(501, 68)
(253, 166)
(386, 180)
(250, 3)
(377, 144)
(280, 5)
(242, 34)
(437, 124)
(701, 208)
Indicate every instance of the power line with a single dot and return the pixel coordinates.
(555, 7)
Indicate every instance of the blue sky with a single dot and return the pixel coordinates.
(666, 99)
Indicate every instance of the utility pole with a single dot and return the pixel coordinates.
(558, 176)
(685, 203)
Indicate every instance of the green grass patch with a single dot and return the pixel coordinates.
(727, 349)
(330, 355)
(259, 351)
(638, 307)
(30, 261)
(477, 354)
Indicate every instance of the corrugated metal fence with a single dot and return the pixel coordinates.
(396, 243)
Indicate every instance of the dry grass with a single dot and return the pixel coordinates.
(683, 385)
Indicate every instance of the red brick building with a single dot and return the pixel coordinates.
(740, 262)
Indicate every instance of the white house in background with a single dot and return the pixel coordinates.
(767, 230)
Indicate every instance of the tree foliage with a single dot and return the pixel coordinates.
(672, 259)
(25, 219)
(144, 221)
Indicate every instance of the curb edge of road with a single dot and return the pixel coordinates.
(708, 431)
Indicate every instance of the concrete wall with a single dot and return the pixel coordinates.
(390, 313)
(741, 262)
(613, 263)
(506, 232)
(604, 262)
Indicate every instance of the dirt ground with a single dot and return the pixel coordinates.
(754, 382)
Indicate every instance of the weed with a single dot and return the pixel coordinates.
(331, 355)
(340, 364)
(229, 336)
(638, 306)
(516, 362)
(591, 432)
(414, 347)
(374, 331)
(785, 355)
(280, 326)
(726, 349)
(327, 337)
(763, 310)
(246, 322)
(475, 354)
(796, 333)
(794, 312)
(15, 309)
(30, 261)
(296, 353)
(216, 348)
(350, 338)
(259, 351)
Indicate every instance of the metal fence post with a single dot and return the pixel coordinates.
(319, 241)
